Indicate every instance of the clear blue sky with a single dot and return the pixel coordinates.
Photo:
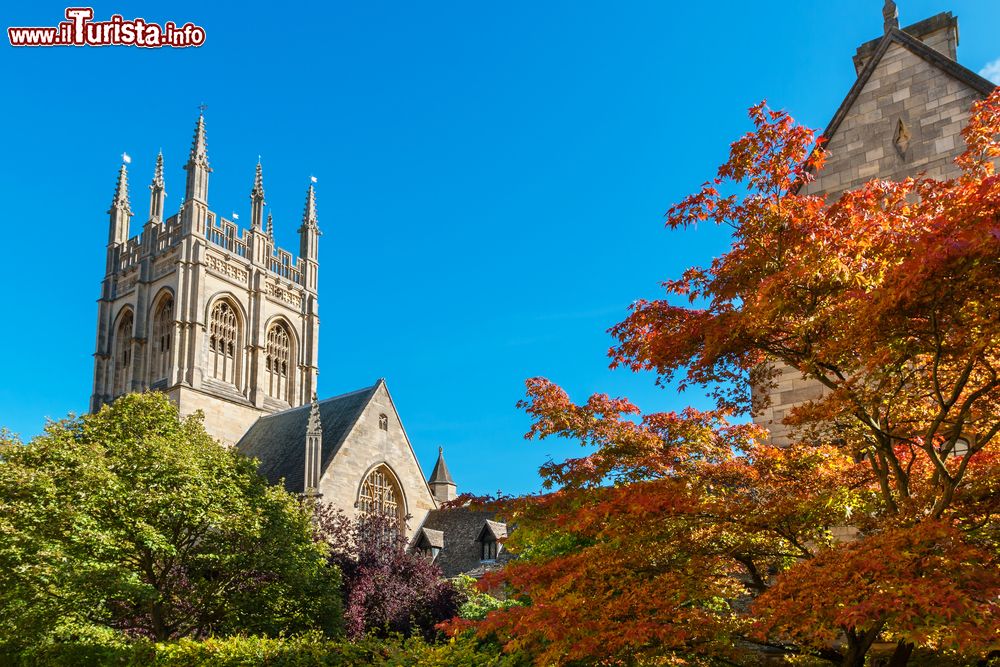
(492, 179)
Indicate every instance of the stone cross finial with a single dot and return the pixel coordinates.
(890, 16)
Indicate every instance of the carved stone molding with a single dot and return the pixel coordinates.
(228, 269)
(287, 296)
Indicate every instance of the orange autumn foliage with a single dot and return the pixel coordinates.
(685, 537)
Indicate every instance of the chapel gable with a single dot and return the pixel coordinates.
(903, 116)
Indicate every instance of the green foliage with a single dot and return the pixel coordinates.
(309, 650)
(477, 604)
(136, 520)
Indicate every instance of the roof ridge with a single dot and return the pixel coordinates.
(306, 406)
(922, 50)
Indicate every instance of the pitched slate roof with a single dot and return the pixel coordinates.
(872, 52)
(431, 538)
(496, 530)
(462, 550)
(279, 440)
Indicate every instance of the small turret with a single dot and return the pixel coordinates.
(120, 211)
(157, 193)
(442, 485)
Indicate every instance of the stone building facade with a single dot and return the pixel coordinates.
(220, 319)
(223, 321)
(903, 116)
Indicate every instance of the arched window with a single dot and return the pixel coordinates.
(382, 500)
(161, 341)
(277, 359)
(223, 339)
(123, 355)
(383, 422)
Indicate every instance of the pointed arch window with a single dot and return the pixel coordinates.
(123, 354)
(277, 359)
(381, 499)
(223, 340)
(162, 339)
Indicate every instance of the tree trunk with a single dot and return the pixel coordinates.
(901, 655)
(858, 644)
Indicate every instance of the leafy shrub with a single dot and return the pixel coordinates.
(310, 650)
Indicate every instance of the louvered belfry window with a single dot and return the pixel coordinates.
(162, 339)
(123, 355)
(277, 359)
(223, 340)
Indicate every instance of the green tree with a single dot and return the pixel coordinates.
(478, 604)
(136, 520)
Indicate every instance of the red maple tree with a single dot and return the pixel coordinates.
(684, 536)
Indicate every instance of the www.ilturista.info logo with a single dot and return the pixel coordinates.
(80, 30)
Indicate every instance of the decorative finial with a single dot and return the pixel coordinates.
(440, 450)
(201, 108)
(199, 145)
(314, 426)
(158, 172)
(270, 227)
(890, 16)
(120, 200)
(126, 158)
(309, 219)
(258, 184)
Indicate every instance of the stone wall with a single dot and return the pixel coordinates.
(365, 448)
(906, 119)
(198, 272)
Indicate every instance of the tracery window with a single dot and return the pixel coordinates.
(224, 331)
(123, 355)
(277, 358)
(162, 339)
(489, 549)
(381, 497)
(383, 422)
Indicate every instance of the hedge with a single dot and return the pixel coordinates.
(304, 651)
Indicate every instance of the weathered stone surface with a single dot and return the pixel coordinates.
(905, 120)
(368, 447)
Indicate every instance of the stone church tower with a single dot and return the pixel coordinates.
(218, 318)
(223, 321)
(903, 116)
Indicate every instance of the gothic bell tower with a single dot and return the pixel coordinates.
(215, 316)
